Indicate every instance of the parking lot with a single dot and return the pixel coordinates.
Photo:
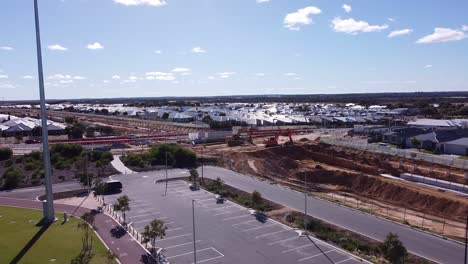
(225, 232)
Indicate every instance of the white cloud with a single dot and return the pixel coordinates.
(428, 66)
(260, 74)
(163, 76)
(293, 21)
(465, 28)
(198, 50)
(134, 78)
(95, 46)
(398, 33)
(141, 2)
(158, 51)
(181, 70)
(66, 81)
(347, 8)
(28, 77)
(290, 74)
(263, 1)
(115, 77)
(57, 47)
(226, 75)
(7, 86)
(351, 26)
(105, 81)
(7, 48)
(79, 77)
(391, 19)
(59, 76)
(211, 78)
(442, 35)
(3, 76)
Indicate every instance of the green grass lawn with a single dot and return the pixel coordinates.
(58, 244)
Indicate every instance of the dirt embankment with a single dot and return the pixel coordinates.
(354, 173)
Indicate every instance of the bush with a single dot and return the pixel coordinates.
(11, 178)
(32, 165)
(8, 163)
(67, 150)
(5, 154)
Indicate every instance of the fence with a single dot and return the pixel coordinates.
(402, 213)
(405, 153)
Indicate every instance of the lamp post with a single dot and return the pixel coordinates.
(49, 215)
(194, 241)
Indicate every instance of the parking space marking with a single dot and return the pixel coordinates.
(220, 256)
(350, 258)
(230, 212)
(250, 221)
(292, 249)
(316, 255)
(204, 200)
(183, 244)
(284, 240)
(139, 205)
(223, 207)
(172, 237)
(258, 227)
(144, 211)
(173, 229)
(138, 215)
(271, 233)
(235, 217)
(188, 253)
(142, 221)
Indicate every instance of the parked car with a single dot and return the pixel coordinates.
(31, 141)
(113, 186)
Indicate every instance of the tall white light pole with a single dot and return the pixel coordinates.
(49, 215)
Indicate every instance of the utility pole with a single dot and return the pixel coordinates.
(194, 246)
(49, 214)
(165, 193)
(466, 239)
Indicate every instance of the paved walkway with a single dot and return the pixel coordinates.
(118, 165)
(121, 244)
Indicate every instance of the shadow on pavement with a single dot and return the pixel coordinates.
(148, 259)
(32, 241)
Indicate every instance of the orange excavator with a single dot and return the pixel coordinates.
(273, 141)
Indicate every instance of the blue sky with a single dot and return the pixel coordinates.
(129, 48)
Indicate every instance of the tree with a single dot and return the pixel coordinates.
(100, 188)
(193, 175)
(122, 205)
(87, 239)
(165, 115)
(5, 153)
(393, 249)
(156, 229)
(69, 120)
(90, 132)
(416, 142)
(218, 185)
(256, 201)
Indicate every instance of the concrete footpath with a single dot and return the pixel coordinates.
(126, 249)
(118, 165)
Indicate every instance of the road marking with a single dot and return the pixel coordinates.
(219, 208)
(182, 244)
(172, 237)
(146, 211)
(139, 205)
(316, 255)
(204, 200)
(350, 258)
(173, 229)
(292, 249)
(188, 253)
(287, 239)
(205, 260)
(135, 216)
(235, 217)
(255, 228)
(146, 220)
(250, 221)
(271, 233)
(230, 212)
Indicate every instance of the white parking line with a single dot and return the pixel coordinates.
(235, 217)
(146, 220)
(204, 200)
(172, 237)
(230, 212)
(139, 205)
(188, 253)
(350, 258)
(284, 240)
(316, 255)
(250, 221)
(255, 228)
(173, 229)
(183, 244)
(292, 249)
(223, 207)
(205, 260)
(271, 233)
(135, 216)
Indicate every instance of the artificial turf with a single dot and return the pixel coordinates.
(59, 243)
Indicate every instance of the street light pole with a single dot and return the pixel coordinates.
(305, 202)
(466, 239)
(194, 245)
(49, 215)
(165, 192)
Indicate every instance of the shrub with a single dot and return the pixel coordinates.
(8, 163)
(5, 154)
(11, 178)
(67, 150)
